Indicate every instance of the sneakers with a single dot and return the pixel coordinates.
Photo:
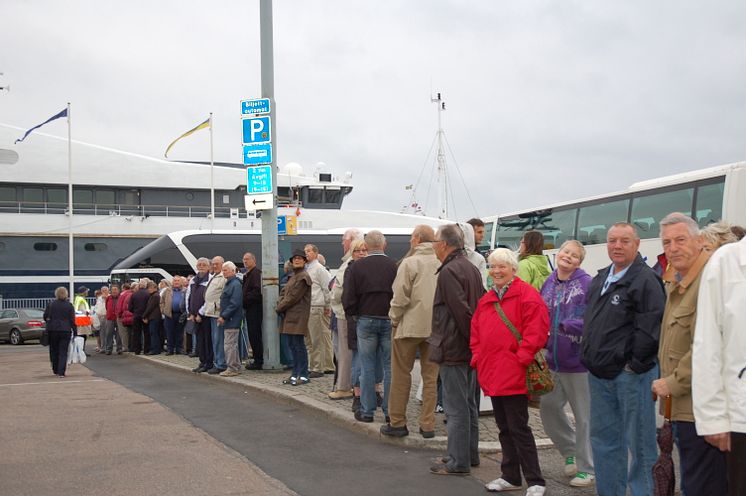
(570, 468)
(439, 409)
(389, 430)
(500, 485)
(199, 370)
(229, 373)
(300, 381)
(215, 370)
(582, 479)
(339, 395)
(536, 491)
(289, 380)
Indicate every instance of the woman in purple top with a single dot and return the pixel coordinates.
(564, 293)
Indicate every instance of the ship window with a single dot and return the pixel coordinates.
(226, 199)
(45, 246)
(129, 197)
(333, 196)
(84, 196)
(325, 178)
(95, 247)
(2, 247)
(33, 195)
(315, 195)
(105, 197)
(7, 193)
(56, 195)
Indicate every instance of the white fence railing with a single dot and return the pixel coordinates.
(31, 302)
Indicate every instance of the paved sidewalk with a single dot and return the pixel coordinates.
(314, 397)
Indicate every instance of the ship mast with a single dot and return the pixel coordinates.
(441, 161)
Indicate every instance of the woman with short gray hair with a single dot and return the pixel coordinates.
(510, 325)
(59, 317)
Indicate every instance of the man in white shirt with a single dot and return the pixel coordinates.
(719, 359)
(319, 341)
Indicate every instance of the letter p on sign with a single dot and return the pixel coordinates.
(257, 130)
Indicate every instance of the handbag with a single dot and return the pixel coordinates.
(538, 376)
(44, 339)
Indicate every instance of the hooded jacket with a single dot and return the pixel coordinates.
(566, 301)
(622, 326)
(534, 269)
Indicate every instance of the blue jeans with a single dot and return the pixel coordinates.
(297, 345)
(623, 424)
(218, 351)
(154, 325)
(374, 347)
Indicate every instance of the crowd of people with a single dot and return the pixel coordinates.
(614, 342)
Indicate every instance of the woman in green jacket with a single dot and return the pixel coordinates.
(533, 266)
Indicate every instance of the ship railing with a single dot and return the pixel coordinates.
(31, 302)
(120, 209)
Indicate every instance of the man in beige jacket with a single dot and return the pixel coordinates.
(703, 467)
(411, 320)
(212, 310)
(319, 339)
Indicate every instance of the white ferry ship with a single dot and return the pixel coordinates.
(123, 201)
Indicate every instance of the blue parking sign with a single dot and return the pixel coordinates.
(257, 130)
(282, 228)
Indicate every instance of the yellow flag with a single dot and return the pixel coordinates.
(204, 125)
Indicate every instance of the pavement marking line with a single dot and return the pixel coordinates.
(57, 382)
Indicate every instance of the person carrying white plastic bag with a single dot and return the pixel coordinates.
(75, 352)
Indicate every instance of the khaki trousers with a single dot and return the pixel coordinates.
(230, 346)
(319, 342)
(344, 357)
(403, 353)
(124, 334)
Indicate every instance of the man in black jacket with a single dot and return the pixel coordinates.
(620, 344)
(252, 305)
(457, 293)
(367, 296)
(140, 337)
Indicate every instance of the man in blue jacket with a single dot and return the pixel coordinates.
(620, 346)
(231, 315)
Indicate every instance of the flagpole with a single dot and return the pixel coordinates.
(212, 182)
(71, 247)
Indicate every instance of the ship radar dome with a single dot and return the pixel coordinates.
(293, 169)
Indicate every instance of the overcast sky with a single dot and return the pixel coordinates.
(546, 101)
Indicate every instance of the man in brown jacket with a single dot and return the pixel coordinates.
(411, 316)
(295, 307)
(703, 469)
(457, 293)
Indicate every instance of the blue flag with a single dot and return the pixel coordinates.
(61, 114)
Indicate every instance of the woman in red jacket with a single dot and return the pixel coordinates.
(501, 363)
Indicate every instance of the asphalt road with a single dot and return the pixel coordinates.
(303, 451)
(152, 412)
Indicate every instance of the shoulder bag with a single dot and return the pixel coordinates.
(538, 376)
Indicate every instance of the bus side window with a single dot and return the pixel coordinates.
(709, 206)
(594, 221)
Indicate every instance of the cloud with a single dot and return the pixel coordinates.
(546, 101)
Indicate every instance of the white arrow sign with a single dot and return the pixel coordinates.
(258, 202)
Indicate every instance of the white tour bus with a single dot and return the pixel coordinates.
(708, 195)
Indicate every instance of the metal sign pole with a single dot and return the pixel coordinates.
(270, 249)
